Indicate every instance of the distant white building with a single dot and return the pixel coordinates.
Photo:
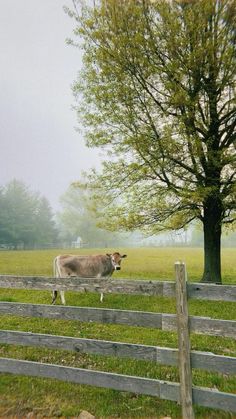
(77, 243)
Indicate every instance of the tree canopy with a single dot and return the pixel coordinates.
(157, 91)
(26, 218)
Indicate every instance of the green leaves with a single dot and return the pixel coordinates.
(157, 94)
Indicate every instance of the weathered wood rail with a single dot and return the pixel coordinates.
(165, 356)
(199, 291)
(163, 321)
(169, 322)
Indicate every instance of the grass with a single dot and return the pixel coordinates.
(50, 398)
(146, 263)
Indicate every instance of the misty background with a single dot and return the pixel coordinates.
(39, 144)
(41, 152)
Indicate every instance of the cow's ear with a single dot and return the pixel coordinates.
(124, 256)
(109, 255)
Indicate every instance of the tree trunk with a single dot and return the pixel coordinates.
(212, 240)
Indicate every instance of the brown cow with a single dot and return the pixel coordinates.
(91, 266)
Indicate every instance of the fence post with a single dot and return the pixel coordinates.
(184, 342)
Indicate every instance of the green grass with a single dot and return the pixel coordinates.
(51, 398)
(149, 263)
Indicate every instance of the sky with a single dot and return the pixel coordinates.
(39, 143)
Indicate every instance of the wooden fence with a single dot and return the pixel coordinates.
(183, 392)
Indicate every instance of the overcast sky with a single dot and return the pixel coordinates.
(39, 144)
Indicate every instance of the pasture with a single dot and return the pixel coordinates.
(50, 398)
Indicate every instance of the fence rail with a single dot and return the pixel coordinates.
(165, 356)
(122, 286)
(164, 321)
(162, 389)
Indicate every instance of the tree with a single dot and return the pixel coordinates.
(157, 91)
(17, 216)
(26, 218)
(45, 227)
(78, 220)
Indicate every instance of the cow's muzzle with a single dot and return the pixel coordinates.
(117, 268)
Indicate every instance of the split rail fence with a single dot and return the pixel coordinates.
(183, 392)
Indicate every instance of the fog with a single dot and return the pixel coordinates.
(39, 144)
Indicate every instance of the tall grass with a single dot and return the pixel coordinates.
(51, 398)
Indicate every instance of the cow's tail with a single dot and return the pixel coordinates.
(56, 269)
(56, 274)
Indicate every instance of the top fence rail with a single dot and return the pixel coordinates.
(199, 291)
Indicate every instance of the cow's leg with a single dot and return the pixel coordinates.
(62, 294)
(101, 297)
(54, 296)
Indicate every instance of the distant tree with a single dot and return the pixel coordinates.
(17, 223)
(4, 233)
(77, 219)
(25, 217)
(158, 92)
(197, 238)
(46, 231)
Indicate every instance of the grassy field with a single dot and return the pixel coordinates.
(50, 398)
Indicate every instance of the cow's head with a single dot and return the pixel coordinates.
(116, 260)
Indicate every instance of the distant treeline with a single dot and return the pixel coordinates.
(28, 222)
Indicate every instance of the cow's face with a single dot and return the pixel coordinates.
(116, 260)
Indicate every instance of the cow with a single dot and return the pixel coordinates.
(91, 266)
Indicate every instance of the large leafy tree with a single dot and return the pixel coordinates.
(157, 90)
